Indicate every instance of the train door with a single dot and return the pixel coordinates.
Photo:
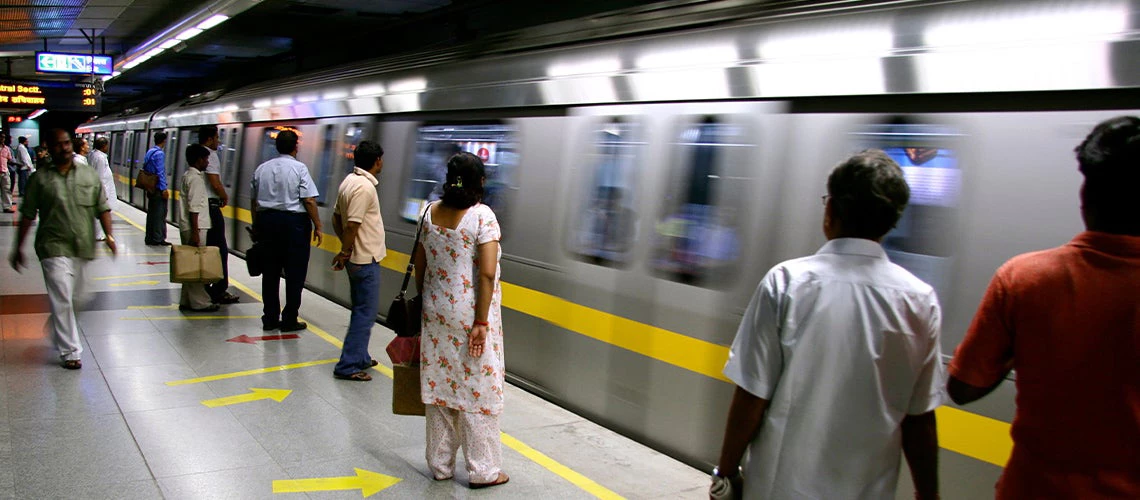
(176, 163)
(928, 153)
(138, 146)
(229, 145)
(118, 159)
(172, 148)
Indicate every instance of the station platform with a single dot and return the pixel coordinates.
(199, 406)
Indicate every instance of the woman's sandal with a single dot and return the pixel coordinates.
(358, 376)
(502, 479)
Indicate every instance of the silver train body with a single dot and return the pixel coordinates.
(646, 184)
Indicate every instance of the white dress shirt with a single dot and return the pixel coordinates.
(25, 158)
(281, 183)
(843, 344)
(98, 161)
(214, 167)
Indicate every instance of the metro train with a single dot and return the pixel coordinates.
(645, 183)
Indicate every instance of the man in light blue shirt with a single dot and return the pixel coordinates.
(155, 163)
(284, 208)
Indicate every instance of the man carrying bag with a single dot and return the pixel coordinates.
(193, 264)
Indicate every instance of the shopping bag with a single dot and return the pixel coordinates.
(191, 264)
(406, 399)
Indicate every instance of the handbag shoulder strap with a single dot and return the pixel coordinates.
(411, 261)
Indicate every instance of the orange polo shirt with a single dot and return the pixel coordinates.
(1069, 321)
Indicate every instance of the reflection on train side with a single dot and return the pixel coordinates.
(696, 240)
(921, 242)
(494, 144)
(605, 231)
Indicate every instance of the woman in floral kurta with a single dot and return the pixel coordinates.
(461, 370)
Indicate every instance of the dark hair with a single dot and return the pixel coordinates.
(207, 132)
(53, 134)
(195, 152)
(464, 185)
(366, 154)
(286, 142)
(868, 194)
(159, 137)
(1109, 158)
(101, 142)
(21, 140)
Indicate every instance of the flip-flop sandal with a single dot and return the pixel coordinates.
(358, 377)
(502, 479)
(374, 362)
(72, 364)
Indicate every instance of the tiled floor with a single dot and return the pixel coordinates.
(117, 429)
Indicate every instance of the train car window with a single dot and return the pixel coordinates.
(117, 149)
(606, 225)
(696, 239)
(325, 163)
(495, 144)
(353, 134)
(922, 241)
(229, 151)
(268, 145)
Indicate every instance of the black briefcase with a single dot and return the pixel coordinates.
(255, 256)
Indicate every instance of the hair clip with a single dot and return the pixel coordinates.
(459, 182)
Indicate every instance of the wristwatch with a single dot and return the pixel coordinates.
(722, 487)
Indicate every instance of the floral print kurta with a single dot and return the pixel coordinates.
(449, 376)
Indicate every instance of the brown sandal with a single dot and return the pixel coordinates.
(502, 479)
(72, 364)
(358, 376)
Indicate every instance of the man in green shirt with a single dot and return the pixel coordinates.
(66, 199)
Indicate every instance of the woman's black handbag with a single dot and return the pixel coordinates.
(404, 315)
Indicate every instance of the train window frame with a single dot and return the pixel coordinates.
(628, 167)
(330, 140)
(502, 180)
(719, 221)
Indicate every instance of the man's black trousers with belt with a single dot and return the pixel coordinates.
(216, 237)
(286, 238)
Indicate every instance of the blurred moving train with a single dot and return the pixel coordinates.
(646, 183)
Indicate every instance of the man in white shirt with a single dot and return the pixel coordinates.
(219, 292)
(98, 161)
(195, 223)
(837, 360)
(82, 149)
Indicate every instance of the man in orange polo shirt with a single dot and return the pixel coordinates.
(1068, 321)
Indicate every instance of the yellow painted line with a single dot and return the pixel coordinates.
(178, 318)
(567, 473)
(125, 276)
(254, 394)
(369, 483)
(140, 282)
(246, 373)
(139, 308)
(973, 435)
(129, 221)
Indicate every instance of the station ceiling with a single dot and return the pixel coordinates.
(269, 39)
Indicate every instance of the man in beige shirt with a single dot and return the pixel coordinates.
(357, 222)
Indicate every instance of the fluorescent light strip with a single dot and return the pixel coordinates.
(169, 44)
(188, 34)
(153, 52)
(214, 20)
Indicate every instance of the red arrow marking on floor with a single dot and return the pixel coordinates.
(149, 263)
(246, 339)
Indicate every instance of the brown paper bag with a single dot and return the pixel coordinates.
(190, 264)
(406, 398)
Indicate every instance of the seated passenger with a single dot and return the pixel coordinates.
(837, 361)
(195, 223)
(1068, 320)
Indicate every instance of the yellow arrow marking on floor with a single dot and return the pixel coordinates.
(255, 394)
(140, 282)
(256, 371)
(147, 275)
(369, 483)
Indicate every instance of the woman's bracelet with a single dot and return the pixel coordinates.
(481, 323)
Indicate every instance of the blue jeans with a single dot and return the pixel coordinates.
(364, 282)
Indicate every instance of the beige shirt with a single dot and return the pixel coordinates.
(195, 199)
(357, 201)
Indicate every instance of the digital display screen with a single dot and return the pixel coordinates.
(52, 96)
(55, 62)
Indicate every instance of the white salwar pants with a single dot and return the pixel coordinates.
(448, 429)
(63, 277)
(194, 295)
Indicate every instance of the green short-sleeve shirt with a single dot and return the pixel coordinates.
(67, 206)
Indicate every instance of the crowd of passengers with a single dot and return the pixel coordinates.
(837, 361)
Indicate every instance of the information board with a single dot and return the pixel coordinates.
(52, 96)
(56, 62)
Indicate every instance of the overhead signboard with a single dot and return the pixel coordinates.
(52, 96)
(84, 64)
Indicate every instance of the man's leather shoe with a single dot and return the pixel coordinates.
(300, 325)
